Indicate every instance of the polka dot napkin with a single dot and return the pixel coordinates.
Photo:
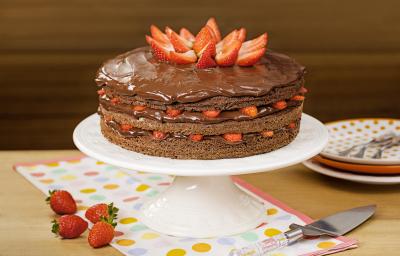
(91, 182)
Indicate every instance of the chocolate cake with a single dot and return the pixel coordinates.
(216, 98)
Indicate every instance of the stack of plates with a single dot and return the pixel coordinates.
(343, 135)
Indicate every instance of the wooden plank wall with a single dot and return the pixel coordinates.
(50, 50)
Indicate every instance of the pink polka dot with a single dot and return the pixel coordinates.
(78, 201)
(262, 224)
(91, 173)
(130, 199)
(164, 184)
(37, 174)
(118, 233)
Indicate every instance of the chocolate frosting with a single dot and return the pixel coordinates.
(137, 73)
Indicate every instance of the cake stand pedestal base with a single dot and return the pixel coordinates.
(201, 207)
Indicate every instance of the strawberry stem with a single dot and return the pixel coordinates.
(55, 228)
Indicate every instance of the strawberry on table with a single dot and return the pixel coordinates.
(61, 202)
(69, 226)
(97, 211)
(102, 232)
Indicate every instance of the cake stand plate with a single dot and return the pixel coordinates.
(202, 201)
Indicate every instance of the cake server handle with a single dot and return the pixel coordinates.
(270, 244)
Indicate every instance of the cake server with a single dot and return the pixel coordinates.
(334, 225)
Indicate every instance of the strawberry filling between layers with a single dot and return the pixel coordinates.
(232, 138)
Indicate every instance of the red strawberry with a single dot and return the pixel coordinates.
(231, 37)
(214, 27)
(206, 60)
(196, 137)
(115, 101)
(161, 51)
(69, 226)
(280, 105)
(180, 44)
(185, 33)
(101, 92)
(255, 44)
(101, 234)
(126, 127)
(303, 90)
(173, 112)
(242, 34)
(61, 202)
(298, 98)
(251, 58)
(229, 53)
(211, 113)
(267, 134)
(202, 40)
(183, 58)
(233, 137)
(98, 211)
(138, 108)
(158, 35)
(292, 125)
(159, 135)
(251, 111)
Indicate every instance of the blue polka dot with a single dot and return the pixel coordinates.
(284, 217)
(155, 178)
(138, 227)
(55, 187)
(226, 241)
(131, 180)
(97, 197)
(137, 251)
(137, 206)
(101, 179)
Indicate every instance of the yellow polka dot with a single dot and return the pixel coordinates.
(30, 168)
(271, 211)
(142, 187)
(120, 174)
(176, 252)
(149, 236)
(367, 127)
(88, 190)
(376, 121)
(344, 126)
(128, 220)
(326, 245)
(99, 162)
(383, 127)
(397, 127)
(75, 161)
(352, 123)
(335, 128)
(125, 242)
(52, 164)
(278, 254)
(68, 177)
(47, 181)
(201, 247)
(140, 172)
(111, 186)
(82, 208)
(270, 232)
(391, 122)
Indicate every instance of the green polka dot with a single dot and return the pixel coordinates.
(110, 168)
(138, 227)
(155, 178)
(97, 197)
(58, 171)
(152, 193)
(249, 236)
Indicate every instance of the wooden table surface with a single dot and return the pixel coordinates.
(25, 218)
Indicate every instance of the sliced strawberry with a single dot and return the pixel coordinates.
(185, 33)
(255, 44)
(126, 127)
(158, 35)
(183, 58)
(115, 101)
(251, 111)
(196, 137)
(179, 43)
(203, 38)
(267, 134)
(233, 137)
(206, 60)
(211, 113)
(231, 37)
(138, 108)
(280, 105)
(168, 32)
(159, 135)
(229, 53)
(171, 112)
(250, 58)
(298, 98)
(101, 92)
(212, 23)
(161, 51)
(242, 34)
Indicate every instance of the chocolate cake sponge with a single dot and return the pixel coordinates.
(179, 111)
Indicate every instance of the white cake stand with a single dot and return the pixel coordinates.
(202, 201)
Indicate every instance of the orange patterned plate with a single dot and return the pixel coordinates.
(360, 168)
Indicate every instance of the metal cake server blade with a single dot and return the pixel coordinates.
(334, 225)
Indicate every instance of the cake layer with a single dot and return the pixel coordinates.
(137, 73)
(212, 147)
(273, 121)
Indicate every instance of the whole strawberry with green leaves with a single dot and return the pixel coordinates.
(69, 226)
(61, 202)
(95, 212)
(102, 232)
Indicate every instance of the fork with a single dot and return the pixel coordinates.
(395, 142)
(378, 140)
